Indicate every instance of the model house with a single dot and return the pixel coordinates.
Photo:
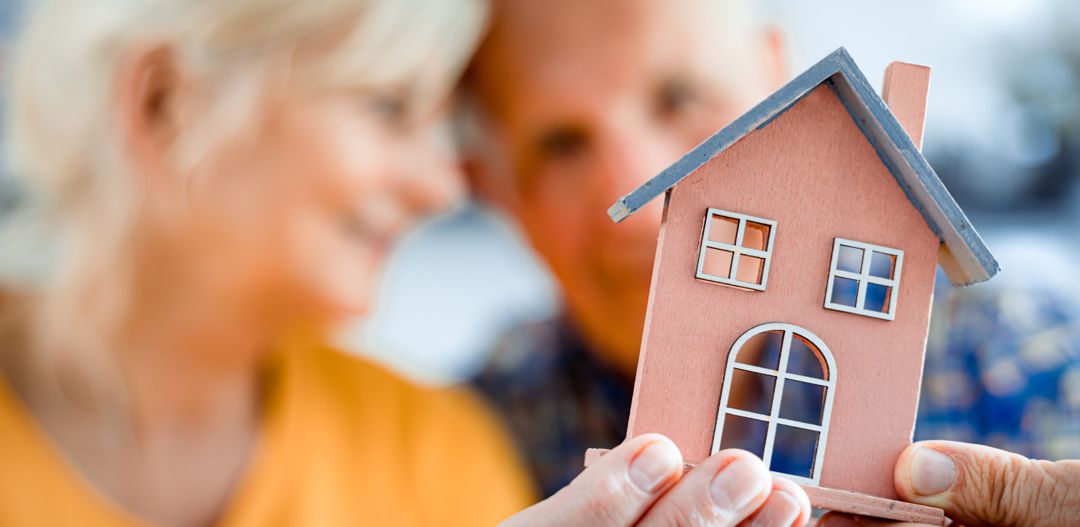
(792, 285)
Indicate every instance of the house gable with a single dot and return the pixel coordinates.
(964, 256)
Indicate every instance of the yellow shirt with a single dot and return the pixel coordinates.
(344, 443)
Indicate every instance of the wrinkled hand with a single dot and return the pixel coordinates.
(642, 483)
(982, 486)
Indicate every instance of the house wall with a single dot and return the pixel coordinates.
(815, 174)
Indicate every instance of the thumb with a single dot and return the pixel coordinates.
(614, 491)
(977, 485)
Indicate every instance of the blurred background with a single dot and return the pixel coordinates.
(1002, 130)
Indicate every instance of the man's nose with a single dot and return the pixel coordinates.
(627, 160)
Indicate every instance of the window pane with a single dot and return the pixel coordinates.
(805, 359)
(745, 433)
(794, 450)
(849, 259)
(878, 298)
(844, 291)
(751, 269)
(762, 350)
(882, 264)
(751, 391)
(723, 229)
(717, 262)
(756, 236)
(802, 402)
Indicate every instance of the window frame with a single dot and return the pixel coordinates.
(781, 375)
(737, 249)
(863, 277)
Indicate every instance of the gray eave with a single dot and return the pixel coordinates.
(966, 259)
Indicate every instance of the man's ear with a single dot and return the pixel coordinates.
(776, 56)
(147, 95)
(486, 166)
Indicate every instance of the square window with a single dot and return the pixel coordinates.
(717, 262)
(794, 451)
(752, 392)
(751, 269)
(745, 433)
(845, 291)
(864, 279)
(735, 249)
(723, 230)
(850, 259)
(877, 297)
(881, 265)
(756, 236)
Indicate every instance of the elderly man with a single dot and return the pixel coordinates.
(580, 101)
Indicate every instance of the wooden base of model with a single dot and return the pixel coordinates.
(846, 502)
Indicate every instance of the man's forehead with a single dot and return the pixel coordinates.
(540, 47)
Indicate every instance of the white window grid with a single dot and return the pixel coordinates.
(781, 374)
(863, 277)
(737, 250)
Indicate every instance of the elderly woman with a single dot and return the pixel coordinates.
(207, 187)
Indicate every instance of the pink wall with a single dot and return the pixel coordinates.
(814, 173)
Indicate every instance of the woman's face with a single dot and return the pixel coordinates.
(295, 216)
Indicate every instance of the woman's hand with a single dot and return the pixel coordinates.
(977, 485)
(642, 483)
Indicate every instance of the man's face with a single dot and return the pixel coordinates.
(587, 99)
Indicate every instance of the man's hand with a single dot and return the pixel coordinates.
(642, 483)
(982, 486)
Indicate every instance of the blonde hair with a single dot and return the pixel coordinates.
(66, 238)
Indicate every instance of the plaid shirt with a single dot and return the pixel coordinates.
(1002, 369)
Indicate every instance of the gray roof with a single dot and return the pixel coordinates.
(964, 256)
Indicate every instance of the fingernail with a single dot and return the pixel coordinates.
(734, 487)
(931, 471)
(654, 466)
(781, 510)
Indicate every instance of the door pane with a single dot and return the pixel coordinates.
(794, 450)
(802, 402)
(762, 350)
(745, 433)
(805, 359)
(751, 391)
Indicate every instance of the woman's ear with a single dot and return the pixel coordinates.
(148, 93)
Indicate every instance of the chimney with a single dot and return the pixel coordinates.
(904, 90)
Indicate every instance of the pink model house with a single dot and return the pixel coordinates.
(792, 285)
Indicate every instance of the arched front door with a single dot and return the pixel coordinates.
(776, 400)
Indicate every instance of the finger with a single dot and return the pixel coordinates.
(787, 505)
(613, 492)
(836, 519)
(977, 485)
(723, 491)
